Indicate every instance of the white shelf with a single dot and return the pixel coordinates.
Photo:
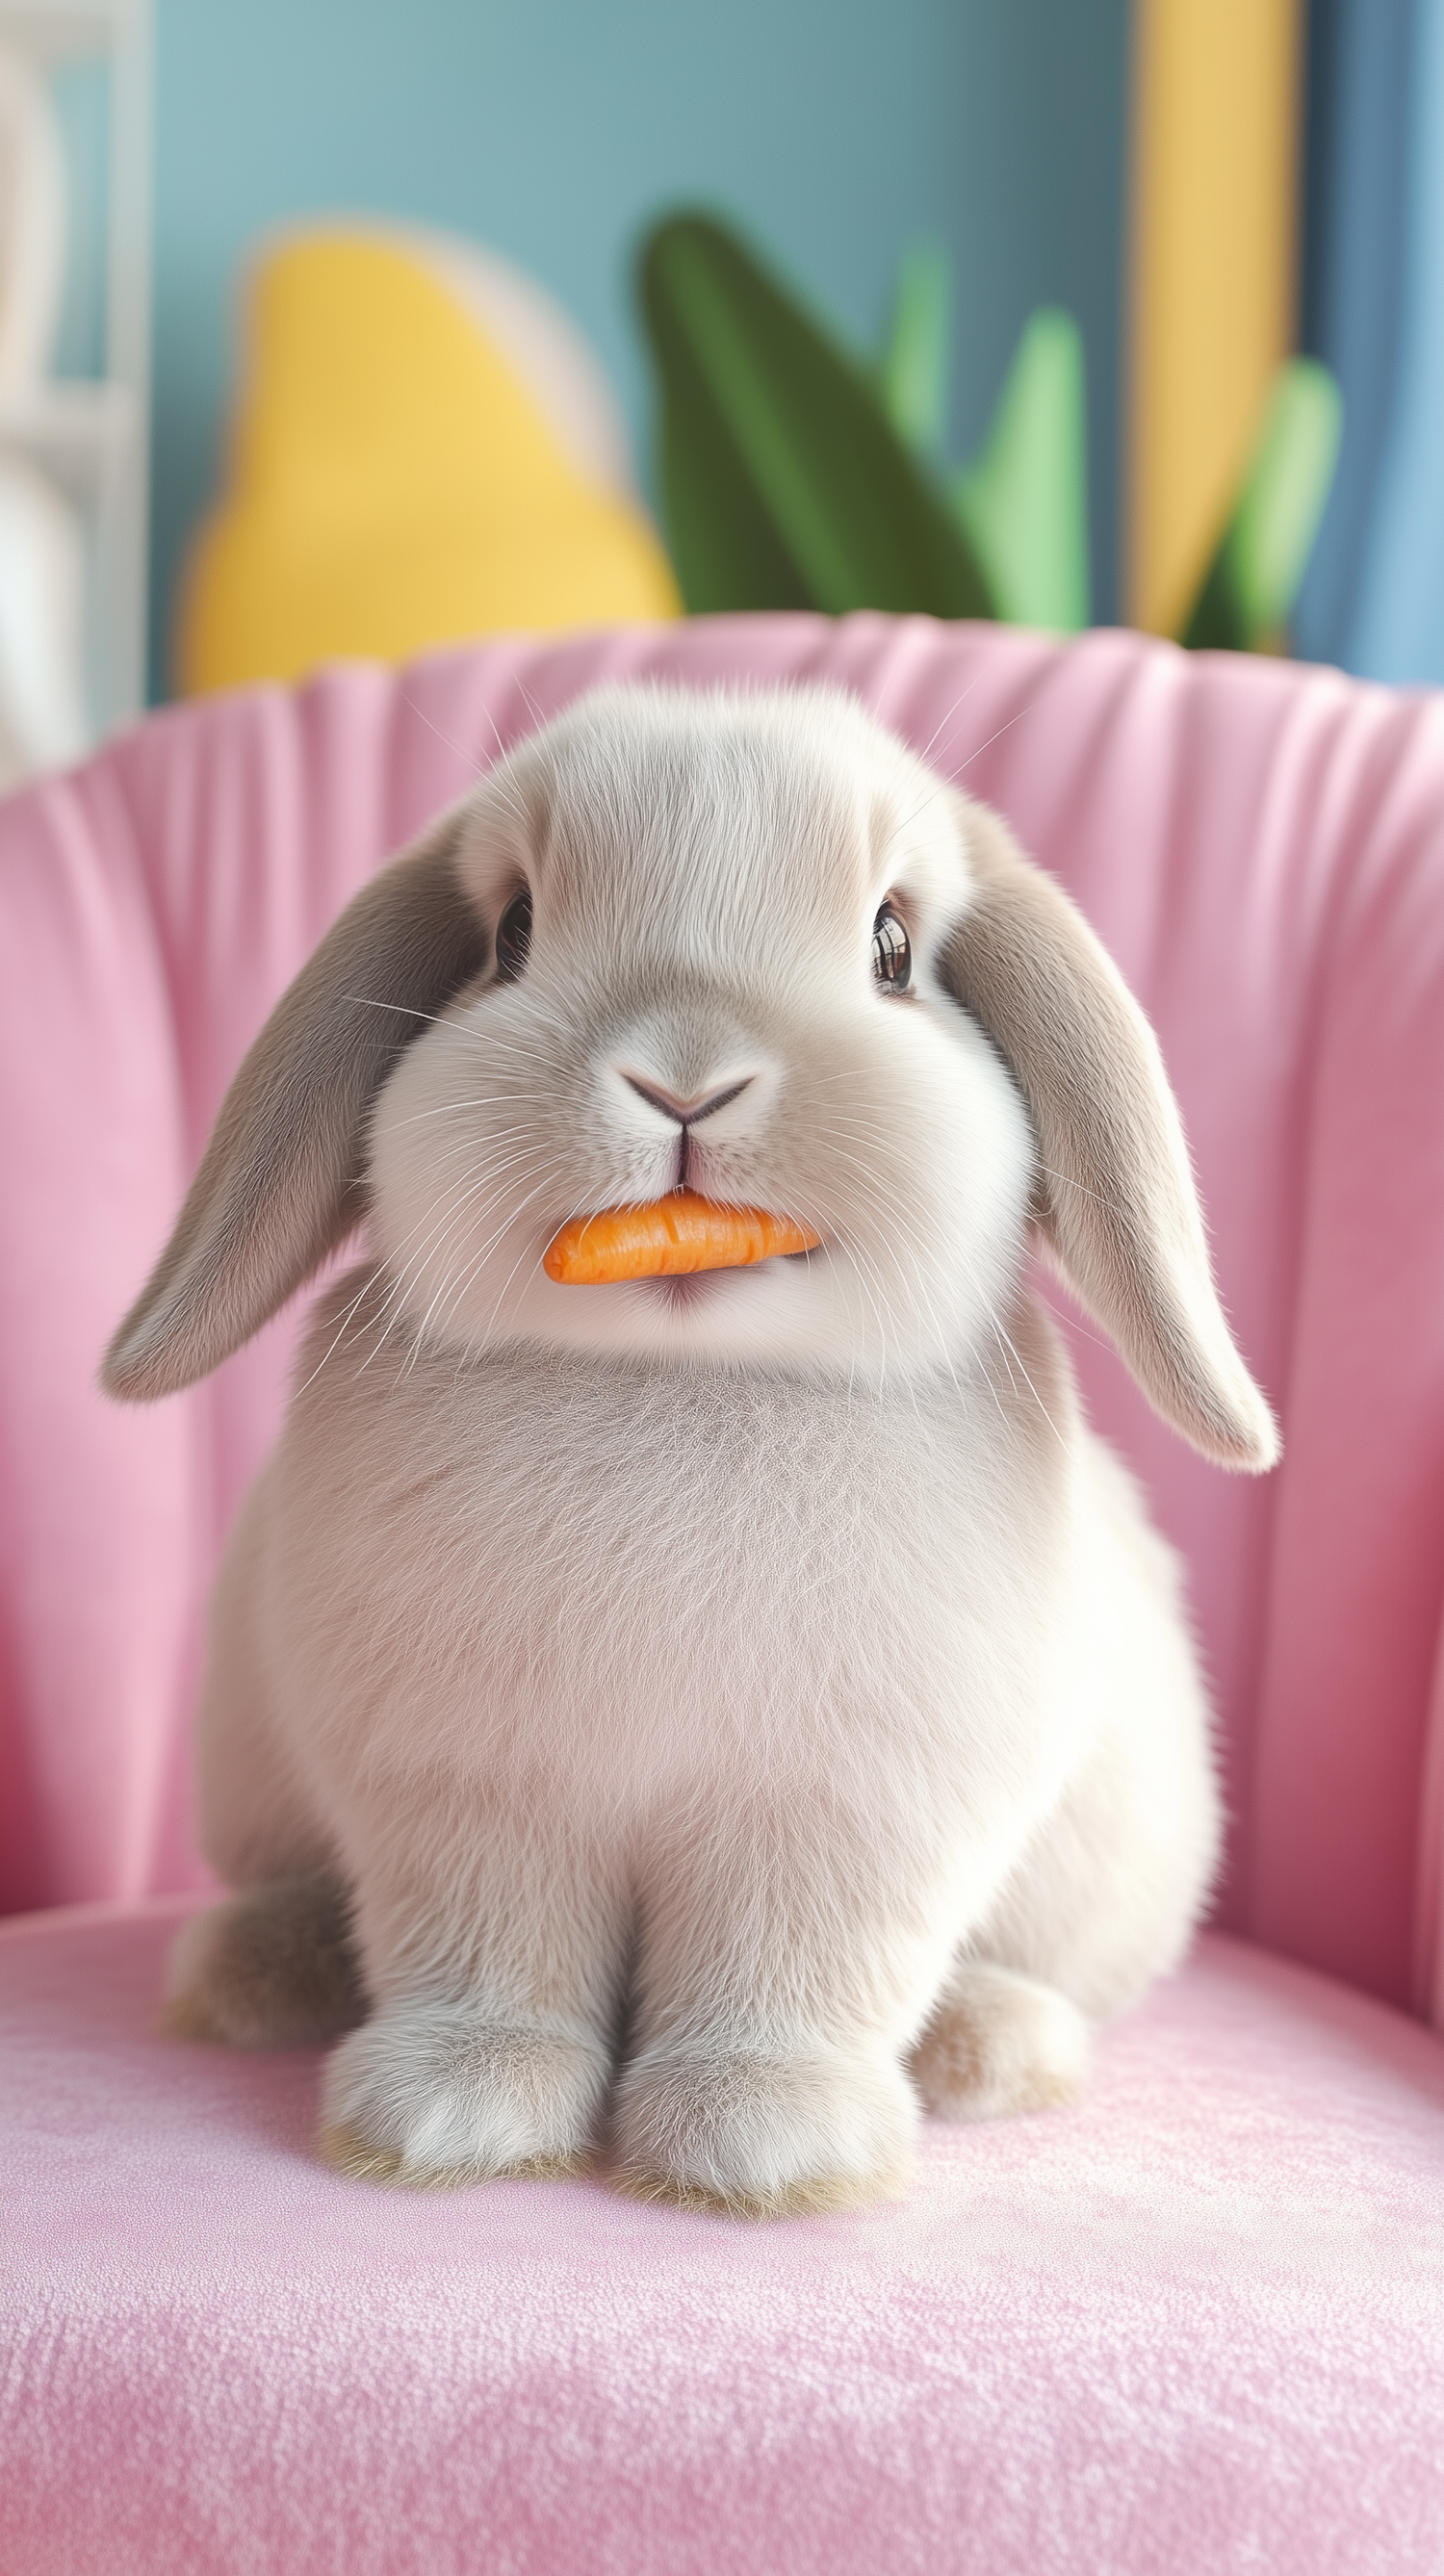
(60, 30)
(92, 437)
(72, 426)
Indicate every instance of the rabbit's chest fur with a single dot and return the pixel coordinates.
(591, 1586)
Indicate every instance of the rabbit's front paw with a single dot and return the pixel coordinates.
(432, 2094)
(762, 2137)
(1000, 2043)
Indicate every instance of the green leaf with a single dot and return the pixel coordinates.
(1253, 580)
(915, 361)
(1024, 503)
(784, 484)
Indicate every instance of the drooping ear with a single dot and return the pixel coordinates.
(1115, 1198)
(280, 1183)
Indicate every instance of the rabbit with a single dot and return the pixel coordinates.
(698, 1721)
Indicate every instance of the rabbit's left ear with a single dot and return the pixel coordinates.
(1115, 1199)
(281, 1182)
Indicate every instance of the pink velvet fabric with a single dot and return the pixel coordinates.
(1261, 846)
(1194, 2328)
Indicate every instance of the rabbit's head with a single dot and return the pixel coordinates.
(746, 944)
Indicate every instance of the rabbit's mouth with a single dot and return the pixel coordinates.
(682, 1295)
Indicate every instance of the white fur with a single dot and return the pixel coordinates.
(760, 1655)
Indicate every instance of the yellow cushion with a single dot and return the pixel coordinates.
(394, 483)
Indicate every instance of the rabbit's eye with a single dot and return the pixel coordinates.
(892, 958)
(513, 937)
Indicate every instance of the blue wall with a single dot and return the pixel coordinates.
(1374, 310)
(554, 129)
(1361, 80)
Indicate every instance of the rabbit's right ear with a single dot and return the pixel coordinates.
(1114, 1200)
(280, 1184)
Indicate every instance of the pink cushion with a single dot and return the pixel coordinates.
(1196, 2325)
(1263, 848)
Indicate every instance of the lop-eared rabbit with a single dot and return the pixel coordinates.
(696, 1720)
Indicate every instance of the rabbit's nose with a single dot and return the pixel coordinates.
(686, 1112)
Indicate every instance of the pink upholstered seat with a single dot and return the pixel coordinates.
(1198, 2324)
(1194, 2325)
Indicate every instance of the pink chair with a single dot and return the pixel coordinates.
(1196, 2324)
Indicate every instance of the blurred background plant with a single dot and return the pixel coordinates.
(975, 307)
(795, 475)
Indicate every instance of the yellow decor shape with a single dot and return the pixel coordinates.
(396, 482)
(1215, 149)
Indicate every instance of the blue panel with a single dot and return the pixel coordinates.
(1355, 221)
(1397, 629)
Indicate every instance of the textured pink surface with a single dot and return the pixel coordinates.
(1262, 847)
(1196, 2325)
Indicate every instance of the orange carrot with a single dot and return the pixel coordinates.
(667, 1238)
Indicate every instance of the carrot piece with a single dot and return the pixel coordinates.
(667, 1238)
